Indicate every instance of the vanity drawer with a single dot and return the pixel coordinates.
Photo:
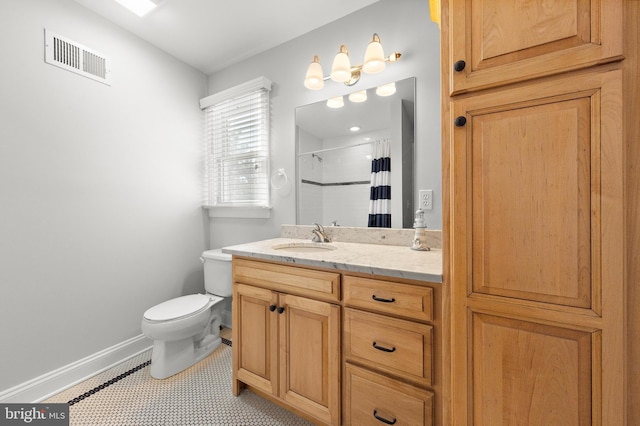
(395, 346)
(375, 399)
(410, 301)
(290, 279)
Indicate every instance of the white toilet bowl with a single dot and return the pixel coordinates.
(187, 329)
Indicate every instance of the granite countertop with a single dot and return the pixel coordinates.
(385, 260)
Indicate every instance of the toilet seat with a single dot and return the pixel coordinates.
(177, 308)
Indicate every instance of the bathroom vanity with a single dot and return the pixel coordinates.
(340, 332)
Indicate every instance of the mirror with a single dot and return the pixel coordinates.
(333, 171)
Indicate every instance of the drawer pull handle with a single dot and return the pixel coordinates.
(272, 308)
(383, 349)
(379, 299)
(383, 420)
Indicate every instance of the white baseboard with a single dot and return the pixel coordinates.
(53, 382)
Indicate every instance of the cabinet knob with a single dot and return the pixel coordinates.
(460, 121)
(272, 308)
(280, 309)
(459, 65)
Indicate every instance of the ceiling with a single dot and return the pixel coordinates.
(213, 34)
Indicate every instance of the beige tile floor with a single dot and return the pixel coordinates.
(200, 395)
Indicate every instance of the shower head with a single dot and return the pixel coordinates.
(317, 156)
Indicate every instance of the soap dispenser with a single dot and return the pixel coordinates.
(420, 238)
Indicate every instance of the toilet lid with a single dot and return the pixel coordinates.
(178, 307)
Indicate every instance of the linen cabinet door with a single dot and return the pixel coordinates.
(537, 324)
(498, 42)
(310, 356)
(255, 338)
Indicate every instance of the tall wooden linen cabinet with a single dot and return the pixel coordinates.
(540, 173)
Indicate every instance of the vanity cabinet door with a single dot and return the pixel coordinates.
(499, 42)
(288, 347)
(310, 356)
(537, 287)
(255, 339)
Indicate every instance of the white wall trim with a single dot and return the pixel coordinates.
(241, 89)
(53, 382)
(239, 212)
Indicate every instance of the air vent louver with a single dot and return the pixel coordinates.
(74, 57)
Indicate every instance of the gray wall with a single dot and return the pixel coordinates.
(100, 194)
(403, 25)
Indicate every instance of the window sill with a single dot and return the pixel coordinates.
(239, 212)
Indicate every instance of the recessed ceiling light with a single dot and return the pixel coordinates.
(139, 7)
(355, 128)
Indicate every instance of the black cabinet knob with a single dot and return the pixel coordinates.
(459, 65)
(280, 309)
(272, 308)
(460, 121)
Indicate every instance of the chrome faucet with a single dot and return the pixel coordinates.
(319, 236)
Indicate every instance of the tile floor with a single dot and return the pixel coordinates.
(126, 395)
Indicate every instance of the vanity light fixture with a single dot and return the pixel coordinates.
(343, 72)
(359, 96)
(139, 7)
(337, 102)
(386, 89)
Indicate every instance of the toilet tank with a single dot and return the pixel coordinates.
(217, 272)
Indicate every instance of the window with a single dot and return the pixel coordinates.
(236, 173)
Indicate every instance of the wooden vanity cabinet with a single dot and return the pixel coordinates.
(534, 178)
(287, 346)
(377, 363)
(389, 352)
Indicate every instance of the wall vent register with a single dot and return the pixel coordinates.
(74, 57)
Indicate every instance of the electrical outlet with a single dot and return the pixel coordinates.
(426, 199)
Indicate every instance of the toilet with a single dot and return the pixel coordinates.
(187, 329)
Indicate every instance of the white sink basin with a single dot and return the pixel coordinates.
(304, 247)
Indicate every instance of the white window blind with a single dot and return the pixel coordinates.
(237, 146)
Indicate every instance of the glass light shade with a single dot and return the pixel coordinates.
(336, 102)
(374, 57)
(314, 79)
(341, 68)
(386, 89)
(359, 96)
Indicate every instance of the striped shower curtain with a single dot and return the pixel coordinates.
(380, 197)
